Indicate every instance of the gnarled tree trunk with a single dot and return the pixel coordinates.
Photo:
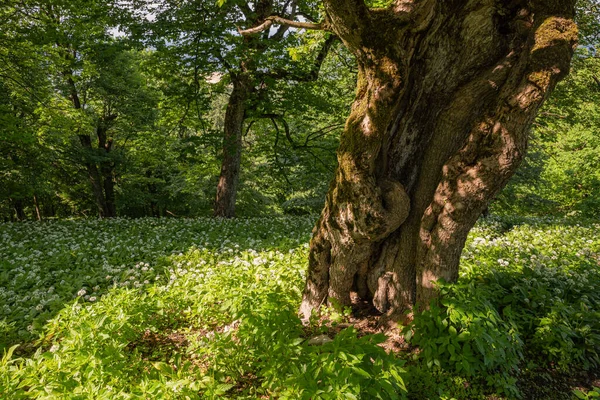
(447, 92)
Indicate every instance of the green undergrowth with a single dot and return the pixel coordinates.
(207, 309)
(527, 298)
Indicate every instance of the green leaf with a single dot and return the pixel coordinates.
(163, 367)
(222, 388)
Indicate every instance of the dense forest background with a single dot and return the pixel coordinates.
(120, 109)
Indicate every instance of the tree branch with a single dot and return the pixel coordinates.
(595, 78)
(308, 76)
(274, 19)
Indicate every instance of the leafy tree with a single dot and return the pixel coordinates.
(200, 33)
(23, 161)
(98, 96)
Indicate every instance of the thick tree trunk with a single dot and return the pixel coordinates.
(447, 92)
(232, 149)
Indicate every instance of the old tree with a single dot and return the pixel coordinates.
(446, 94)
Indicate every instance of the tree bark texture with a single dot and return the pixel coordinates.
(446, 94)
(232, 149)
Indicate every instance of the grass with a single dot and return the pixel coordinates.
(203, 308)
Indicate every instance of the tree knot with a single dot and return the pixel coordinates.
(396, 204)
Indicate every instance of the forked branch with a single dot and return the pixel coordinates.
(274, 19)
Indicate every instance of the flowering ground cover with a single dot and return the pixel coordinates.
(203, 308)
(44, 266)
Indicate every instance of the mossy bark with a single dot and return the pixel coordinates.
(447, 92)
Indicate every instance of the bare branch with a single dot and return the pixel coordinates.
(549, 114)
(274, 19)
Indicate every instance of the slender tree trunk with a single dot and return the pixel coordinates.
(36, 206)
(94, 178)
(108, 179)
(152, 190)
(245, 84)
(107, 170)
(447, 92)
(91, 167)
(232, 148)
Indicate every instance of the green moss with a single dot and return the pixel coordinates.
(540, 78)
(553, 30)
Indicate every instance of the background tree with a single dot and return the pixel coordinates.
(23, 85)
(201, 34)
(96, 95)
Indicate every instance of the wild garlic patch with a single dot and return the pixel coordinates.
(203, 308)
(43, 266)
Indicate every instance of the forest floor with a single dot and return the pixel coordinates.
(204, 308)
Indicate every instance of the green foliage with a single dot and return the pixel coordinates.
(465, 334)
(217, 317)
(561, 172)
(529, 294)
(592, 394)
(207, 308)
(76, 70)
